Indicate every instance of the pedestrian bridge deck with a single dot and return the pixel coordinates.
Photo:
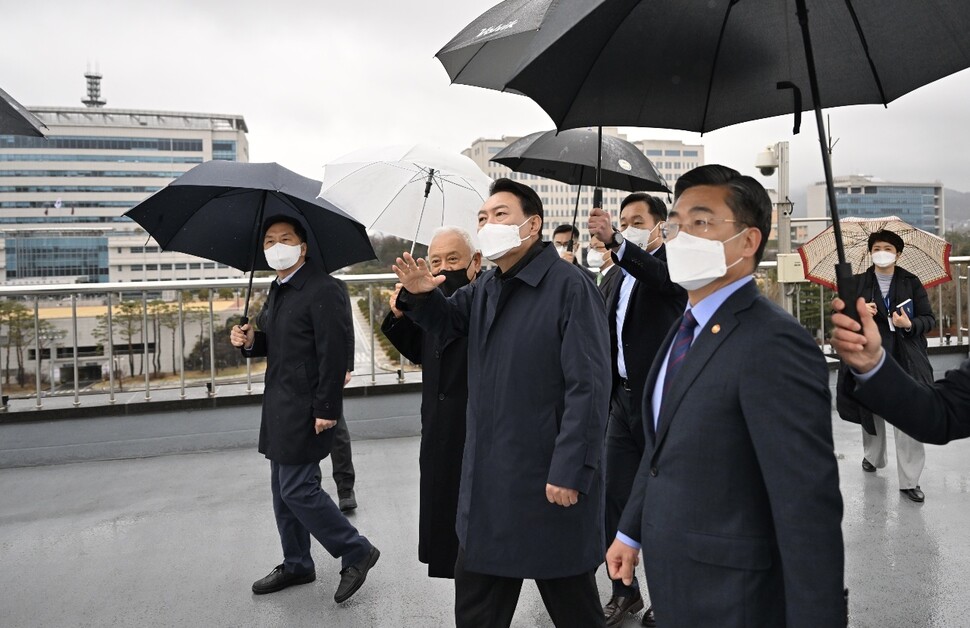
(177, 539)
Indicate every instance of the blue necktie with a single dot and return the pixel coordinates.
(678, 350)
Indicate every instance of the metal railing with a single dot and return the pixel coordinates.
(40, 331)
(951, 300)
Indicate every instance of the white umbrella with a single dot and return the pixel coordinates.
(407, 191)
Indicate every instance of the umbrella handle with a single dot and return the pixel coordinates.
(845, 282)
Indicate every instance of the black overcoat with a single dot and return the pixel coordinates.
(907, 346)
(302, 331)
(538, 399)
(444, 396)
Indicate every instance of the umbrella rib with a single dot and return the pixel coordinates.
(717, 54)
(393, 164)
(865, 47)
(387, 207)
(589, 70)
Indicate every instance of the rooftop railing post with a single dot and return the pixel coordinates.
(181, 316)
(144, 344)
(3, 398)
(39, 403)
(111, 354)
(77, 382)
(373, 334)
(212, 349)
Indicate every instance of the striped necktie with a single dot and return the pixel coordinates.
(679, 348)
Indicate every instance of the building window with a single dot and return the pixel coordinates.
(136, 267)
(195, 266)
(180, 266)
(671, 153)
(652, 152)
(151, 266)
(166, 267)
(690, 153)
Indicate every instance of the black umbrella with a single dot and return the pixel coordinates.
(16, 120)
(583, 157)
(700, 65)
(216, 211)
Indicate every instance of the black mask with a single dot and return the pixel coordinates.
(454, 279)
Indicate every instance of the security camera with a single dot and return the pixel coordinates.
(766, 162)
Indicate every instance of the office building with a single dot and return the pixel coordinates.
(671, 157)
(62, 197)
(863, 196)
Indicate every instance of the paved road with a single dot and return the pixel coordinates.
(178, 539)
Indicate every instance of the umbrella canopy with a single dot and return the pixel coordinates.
(489, 49)
(16, 120)
(407, 191)
(216, 211)
(571, 157)
(624, 62)
(925, 255)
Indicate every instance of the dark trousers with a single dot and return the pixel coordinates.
(340, 456)
(303, 509)
(484, 601)
(625, 441)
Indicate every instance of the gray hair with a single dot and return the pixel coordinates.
(463, 234)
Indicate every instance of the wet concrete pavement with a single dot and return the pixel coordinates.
(178, 540)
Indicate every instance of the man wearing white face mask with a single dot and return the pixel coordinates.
(885, 285)
(530, 501)
(736, 502)
(303, 333)
(600, 260)
(641, 309)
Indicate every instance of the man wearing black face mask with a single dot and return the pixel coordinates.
(444, 397)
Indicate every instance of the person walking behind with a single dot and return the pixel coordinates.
(302, 333)
(884, 286)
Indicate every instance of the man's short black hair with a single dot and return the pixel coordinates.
(889, 237)
(298, 227)
(567, 229)
(530, 201)
(747, 199)
(656, 207)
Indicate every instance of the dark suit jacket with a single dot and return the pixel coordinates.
(303, 331)
(538, 398)
(737, 500)
(609, 282)
(936, 413)
(655, 303)
(444, 396)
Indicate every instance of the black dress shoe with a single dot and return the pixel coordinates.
(649, 619)
(867, 466)
(914, 494)
(348, 501)
(277, 580)
(353, 577)
(617, 608)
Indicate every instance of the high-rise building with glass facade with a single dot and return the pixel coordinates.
(62, 197)
(919, 204)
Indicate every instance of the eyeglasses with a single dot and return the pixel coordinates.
(693, 227)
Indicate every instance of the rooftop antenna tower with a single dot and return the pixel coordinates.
(94, 89)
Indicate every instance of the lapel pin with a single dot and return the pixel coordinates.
(715, 329)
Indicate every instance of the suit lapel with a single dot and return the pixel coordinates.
(704, 347)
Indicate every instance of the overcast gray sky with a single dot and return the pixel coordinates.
(317, 78)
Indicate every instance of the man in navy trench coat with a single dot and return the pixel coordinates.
(531, 498)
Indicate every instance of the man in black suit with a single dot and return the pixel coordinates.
(736, 502)
(608, 274)
(444, 396)
(341, 454)
(303, 333)
(931, 413)
(640, 310)
(566, 240)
